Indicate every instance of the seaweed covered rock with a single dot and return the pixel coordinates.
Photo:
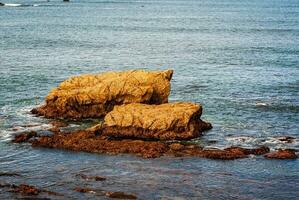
(89, 141)
(282, 154)
(93, 95)
(164, 122)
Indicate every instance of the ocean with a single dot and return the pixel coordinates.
(239, 59)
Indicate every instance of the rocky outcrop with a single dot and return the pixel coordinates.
(171, 121)
(91, 142)
(93, 95)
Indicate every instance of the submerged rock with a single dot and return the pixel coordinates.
(91, 142)
(96, 178)
(282, 154)
(232, 153)
(120, 195)
(93, 95)
(25, 189)
(169, 121)
(9, 174)
(99, 192)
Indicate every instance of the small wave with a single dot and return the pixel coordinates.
(20, 5)
(31, 127)
(274, 142)
(12, 4)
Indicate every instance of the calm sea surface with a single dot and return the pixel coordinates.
(239, 59)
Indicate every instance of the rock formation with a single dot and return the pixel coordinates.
(89, 141)
(171, 121)
(93, 95)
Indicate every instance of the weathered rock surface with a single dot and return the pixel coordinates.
(164, 122)
(91, 142)
(93, 95)
(282, 154)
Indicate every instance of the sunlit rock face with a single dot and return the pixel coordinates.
(94, 95)
(163, 122)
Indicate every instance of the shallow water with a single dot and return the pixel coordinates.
(239, 59)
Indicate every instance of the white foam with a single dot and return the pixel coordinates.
(261, 104)
(31, 127)
(272, 142)
(241, 139)
(5, 135)
(12, 4)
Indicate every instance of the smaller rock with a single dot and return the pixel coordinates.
(96, 178)
(2, 4)
(24, 137)
(120, 195)
(282, 154)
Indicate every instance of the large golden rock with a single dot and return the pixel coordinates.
(164, 122)
(93, 95)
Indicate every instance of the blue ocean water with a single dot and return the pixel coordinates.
(239, 59)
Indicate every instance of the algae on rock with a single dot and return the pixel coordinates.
(94, 95)
(164, 122)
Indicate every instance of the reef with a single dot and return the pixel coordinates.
(89, 141)
(171, 121)
(94, 95)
